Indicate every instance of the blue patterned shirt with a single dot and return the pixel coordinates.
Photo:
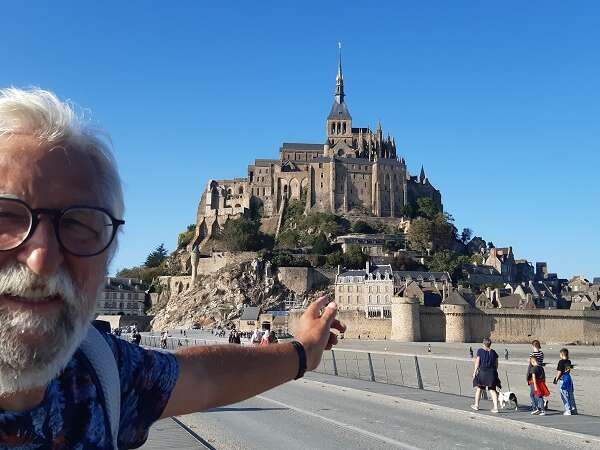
(72, 415)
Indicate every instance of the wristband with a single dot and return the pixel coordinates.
(301, 358)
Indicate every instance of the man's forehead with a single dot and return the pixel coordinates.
(46, 175)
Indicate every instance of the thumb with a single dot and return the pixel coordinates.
(329, 313)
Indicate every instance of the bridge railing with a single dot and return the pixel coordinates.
(453, 375)
(428, 372)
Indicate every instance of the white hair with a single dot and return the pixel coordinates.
(43, 115)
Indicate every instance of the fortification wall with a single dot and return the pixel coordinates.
(217, 261)
(550, 326)
(433, 324)
(501, 325)
(357, 325)
(304, 279)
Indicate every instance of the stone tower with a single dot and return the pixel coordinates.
(406, 319)
(339, 120)
(456, 308)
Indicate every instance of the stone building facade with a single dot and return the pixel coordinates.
(370, 290)
(356, 169)
(121, 296)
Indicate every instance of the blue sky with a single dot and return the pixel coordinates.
(500, 102)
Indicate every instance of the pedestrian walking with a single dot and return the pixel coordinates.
(540, 390)
(485, 374)
(428, 348)
(471, 352)
(565, 382)
(506, 354)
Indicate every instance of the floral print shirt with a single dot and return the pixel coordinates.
(72, 413)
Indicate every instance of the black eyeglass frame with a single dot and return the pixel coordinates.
(56, 215)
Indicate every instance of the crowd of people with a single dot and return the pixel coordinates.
(485, 378)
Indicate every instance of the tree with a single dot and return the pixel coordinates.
(360, 226)
(156, 256)
(354, 258)
(288, 239)
(448, 261)
(420, 234)
(476, 245)
(427, 208)
(242, 235)
(409, 211)
(465, 236)
(444, 232)
(186, 237)
(321, 245)
(335, 259)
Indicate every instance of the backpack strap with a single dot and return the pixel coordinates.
(103, 361)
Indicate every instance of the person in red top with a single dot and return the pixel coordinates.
(540, 390)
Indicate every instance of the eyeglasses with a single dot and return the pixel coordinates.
(80, 230)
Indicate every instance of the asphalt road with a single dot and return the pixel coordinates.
(312, 414)
(447, 368)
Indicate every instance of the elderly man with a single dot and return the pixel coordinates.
(61, 206)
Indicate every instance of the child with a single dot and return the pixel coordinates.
(538, 354)
(540, 390)
(565, 382)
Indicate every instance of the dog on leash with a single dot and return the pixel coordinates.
(508, 398)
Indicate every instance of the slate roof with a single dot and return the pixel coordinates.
(339, 111)
(403, 275)
(510, 301)
(455, 299)
(250, 313)
(265, 162)
(300, 147)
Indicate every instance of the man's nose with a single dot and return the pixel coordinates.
(42, 253)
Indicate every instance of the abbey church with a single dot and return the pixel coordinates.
(355, 171)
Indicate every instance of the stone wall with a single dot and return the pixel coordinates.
(304, 279)
(357, 325)
(433, 324)
(547, 325)
(501, 325)
(218, 260)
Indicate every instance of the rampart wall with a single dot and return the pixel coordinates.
(501, 325)
(304, 279)
(217, 261)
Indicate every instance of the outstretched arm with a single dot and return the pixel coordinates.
(216, 375)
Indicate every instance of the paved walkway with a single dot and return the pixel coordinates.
(581, 424)
(167, 434)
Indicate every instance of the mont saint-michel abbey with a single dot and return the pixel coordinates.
(355, 171)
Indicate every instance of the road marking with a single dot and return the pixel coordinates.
(343, 425)
(510, 422)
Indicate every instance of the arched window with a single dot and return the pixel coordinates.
(378, 299)
(387, 298)
(333, 128)
(344, 127)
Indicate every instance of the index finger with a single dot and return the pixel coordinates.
(314, 309)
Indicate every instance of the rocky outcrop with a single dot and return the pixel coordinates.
(218, 298)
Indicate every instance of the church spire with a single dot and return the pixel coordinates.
(422, 175)
(339, 79)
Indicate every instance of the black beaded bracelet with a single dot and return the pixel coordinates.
(301, 359)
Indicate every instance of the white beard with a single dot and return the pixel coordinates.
(25, 365)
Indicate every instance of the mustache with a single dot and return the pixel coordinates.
(19, 281)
